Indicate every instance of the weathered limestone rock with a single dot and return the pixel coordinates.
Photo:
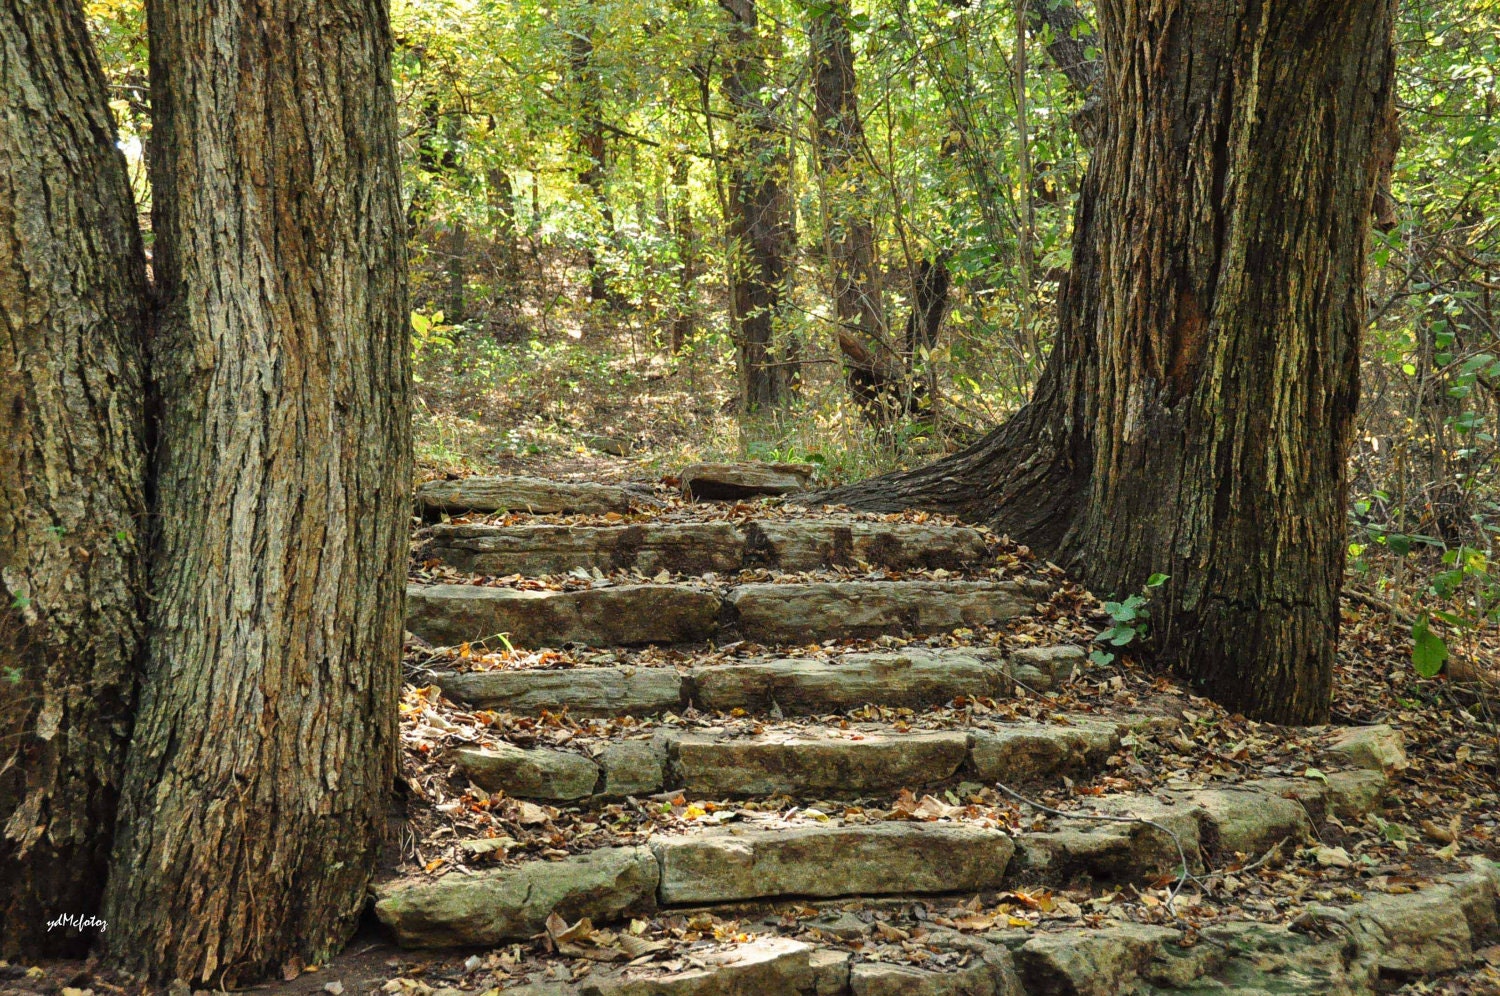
(1116, 852)
(1034, 751)
(728, 481)
(1350, 795)
(1378, 748)
(760, 967)
(1045, 668)
(529, 774)
(632, 767)
(915, 678)
(978, 978)
(680, 547)
(449, 614)
(800, 613)
(1090, 963)
(1248, 819)
(802, 765)
(808, 544)
(873, 859)
(485, 908)
(1431, 930)
(524, 494)
(593, 691)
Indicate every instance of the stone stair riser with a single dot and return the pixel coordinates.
(636, 615)
(704, 547)
(803, 766)
(913, 679)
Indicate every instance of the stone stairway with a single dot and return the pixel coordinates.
(838, 786)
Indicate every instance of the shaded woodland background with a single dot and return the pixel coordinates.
(586, 285)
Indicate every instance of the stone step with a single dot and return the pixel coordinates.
(730, 865)
(528, 494)
(803, 763)
(488, 907)
(1368, 947)
(633, 615)
(769, 859)
(803, 613)
(734, 481)
(703, 547)
(913, 677)
(624, 615)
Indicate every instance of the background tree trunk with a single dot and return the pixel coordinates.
(73, 312)
(264, 748)
(873, 369)
(759, 219)
(685, 311)
(591, 150)
(1194, 416)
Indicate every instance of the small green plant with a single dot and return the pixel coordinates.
(1472, 589)
(1129, 620)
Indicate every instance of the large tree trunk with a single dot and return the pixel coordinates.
(759, 217)
(265, 743)
(873, 369)
(1194, 417)
(73, 312)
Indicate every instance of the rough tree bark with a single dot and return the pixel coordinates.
(1194, 416)
(265, 741)
(73, 313)
(759, 217)
(874, 370)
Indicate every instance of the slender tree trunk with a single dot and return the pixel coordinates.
(759, 233)
(1194, 416)
(265, 742)
(73, 313)
(684, 317)
(872, 367)
(929, 303)
(591, 150)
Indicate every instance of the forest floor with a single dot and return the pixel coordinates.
(558, 415)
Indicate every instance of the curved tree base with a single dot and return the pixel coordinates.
(1194, 418)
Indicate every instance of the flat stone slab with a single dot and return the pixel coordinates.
(801, 613)
(529, 774)
(1031, 752)
(524, 494)
(808, 544)
(703, 547)
(729, 481)
(801, 765)
(632, 767)
(981, 977)
(826, 862)
(598, 691)
(761, 967)
(914, 678)
(512, 904)
(679, 547)
(450, 614)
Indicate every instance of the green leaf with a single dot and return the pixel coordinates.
(1101, 658)
(1157, 580)
(1121, 635)
(1428, 651)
